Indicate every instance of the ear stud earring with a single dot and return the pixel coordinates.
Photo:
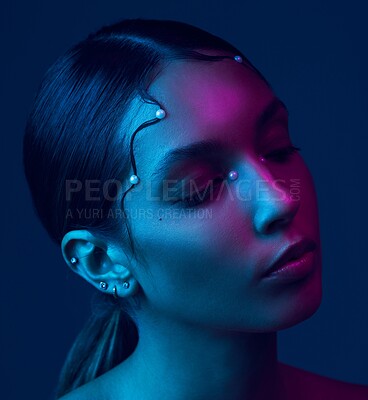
(73, 261)
(103, 285)
(126, 285)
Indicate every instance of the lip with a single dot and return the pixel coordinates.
(294, 262)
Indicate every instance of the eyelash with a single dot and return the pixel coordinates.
(202, 197)
(283, 155)
(280, 156)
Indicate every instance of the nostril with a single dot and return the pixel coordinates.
(276, 224)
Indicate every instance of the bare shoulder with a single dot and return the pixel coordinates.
(91, 390)
(81, 393)
(309, 385)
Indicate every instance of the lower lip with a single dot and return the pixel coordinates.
(293, 270)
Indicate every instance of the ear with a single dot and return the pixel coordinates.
(97, 261)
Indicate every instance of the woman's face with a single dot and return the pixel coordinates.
(205, 265)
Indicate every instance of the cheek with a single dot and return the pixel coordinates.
(181, 249)
(299, 186)
(301, 178)
(304, 191)
(188, 259)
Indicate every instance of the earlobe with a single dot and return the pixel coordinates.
(125, 288)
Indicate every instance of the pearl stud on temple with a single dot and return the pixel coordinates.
(160, 114)
(238, 59)
(233, 175)
(134, 179)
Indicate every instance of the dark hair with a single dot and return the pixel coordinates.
(72, 136)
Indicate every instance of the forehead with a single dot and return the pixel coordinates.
(203, 100)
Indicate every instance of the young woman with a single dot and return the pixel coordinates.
(159, 158)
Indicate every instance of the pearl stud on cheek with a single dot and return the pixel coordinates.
(233, 175)
(160, 114)
(238, 59)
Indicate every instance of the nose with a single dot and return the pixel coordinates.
(274, 215)
(277, 210)
(273, 207)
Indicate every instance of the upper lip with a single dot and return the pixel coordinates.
(292, 252)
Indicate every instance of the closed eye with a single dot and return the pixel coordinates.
(283, 154)
(280, 156)
(201, 197)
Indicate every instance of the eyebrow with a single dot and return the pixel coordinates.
(197, 150)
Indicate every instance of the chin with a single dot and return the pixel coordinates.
(285, 317)
(302, 308)
(295, 307)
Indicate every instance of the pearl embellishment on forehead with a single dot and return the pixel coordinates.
(160, 114)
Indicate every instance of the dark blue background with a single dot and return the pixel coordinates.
(315, 56)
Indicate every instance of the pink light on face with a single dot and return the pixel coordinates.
(215, 100)
(222, 102)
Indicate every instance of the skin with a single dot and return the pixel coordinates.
(207, 320)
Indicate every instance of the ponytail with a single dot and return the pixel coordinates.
(108, 338)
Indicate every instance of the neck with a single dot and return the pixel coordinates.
(180, 362)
